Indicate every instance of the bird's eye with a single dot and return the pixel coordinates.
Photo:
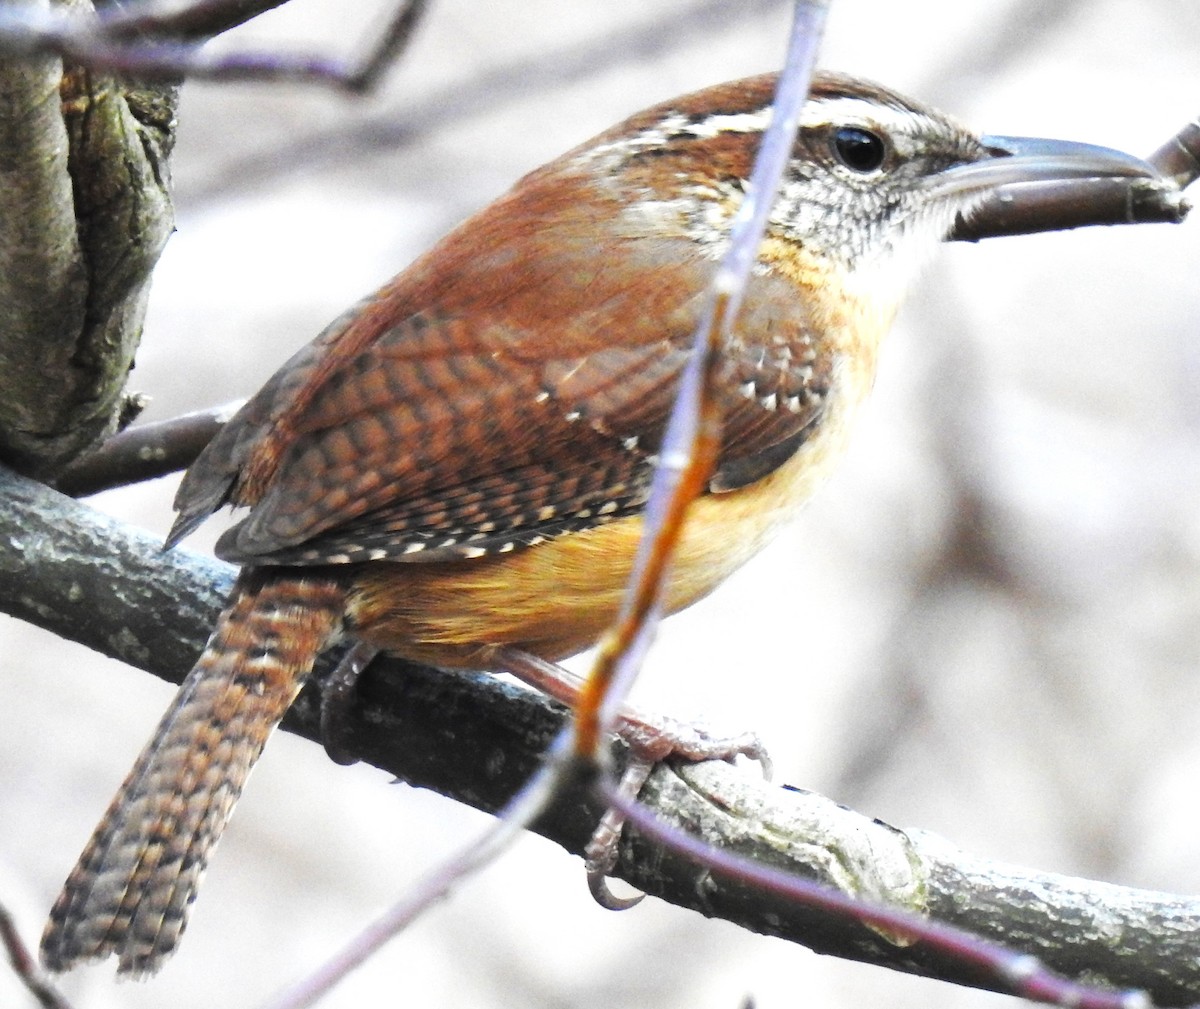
(858, 149)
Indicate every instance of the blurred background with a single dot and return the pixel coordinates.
(987, 626)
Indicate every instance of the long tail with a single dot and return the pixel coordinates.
(132, 888)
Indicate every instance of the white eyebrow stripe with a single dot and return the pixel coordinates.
(838, 110)
(843, 110)
(728, 122)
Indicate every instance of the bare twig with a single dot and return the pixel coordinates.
(25, 965)
(392, 42)
(1179, 157)
(145, 451)
(399, 123)
(1028, 208)
(120, 44)
(692, 437)
(1031, 207)
(542, 788)
(193, 22)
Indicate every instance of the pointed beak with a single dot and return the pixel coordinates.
(1031, 159)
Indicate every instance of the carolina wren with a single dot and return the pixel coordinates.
(460, 462)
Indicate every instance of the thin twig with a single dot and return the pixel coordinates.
(29, 31)
(1028, 208)
(527, 805)
(692, 438)
(1032, 207)
(192, 22)
(145, 451)
(1179, 157)
(393, 41)
(399, 123)
(25, 965)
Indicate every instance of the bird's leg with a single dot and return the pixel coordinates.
(600, 855)
(651, 739)
(337, 697)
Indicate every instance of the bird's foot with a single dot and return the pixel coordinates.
(337, 698)
(652, 739)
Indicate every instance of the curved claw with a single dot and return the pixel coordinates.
(600, 855)
(765, 763)
(337, 697)
(746, 745)
(598, 887)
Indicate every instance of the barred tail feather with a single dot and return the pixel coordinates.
(131, 891)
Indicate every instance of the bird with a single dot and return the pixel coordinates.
(460, 463)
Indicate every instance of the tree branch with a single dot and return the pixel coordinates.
(85, 207)
(42, 276)
(84, 214)
(89, 578)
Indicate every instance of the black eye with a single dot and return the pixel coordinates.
(858, 149)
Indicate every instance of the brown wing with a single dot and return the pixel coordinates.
(462, 430)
